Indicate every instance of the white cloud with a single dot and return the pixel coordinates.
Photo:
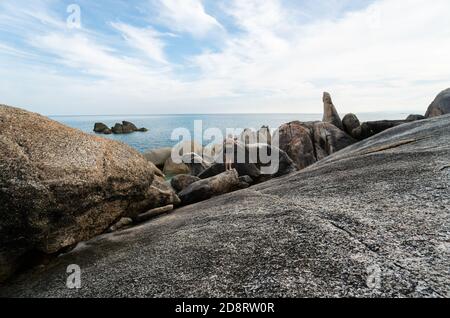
(185, 16)
(146, 40)
(390, 56)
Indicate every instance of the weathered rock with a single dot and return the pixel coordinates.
(59, 186)
(440, 106)
(208, 188)
(195, 163)
(173, 169)
(306, 143)
(117, 129)
(248, 137)
(264, 135)
(124, 222)
(350, 123)
(158, 156)
(372, 128)
(285, 164)
(128, 128)
(246, 179)
(181, 182)
(100, 128)
(328, 139)
(330, 114)
(295, 140)
(415, 117)
(380, 206)
(144, 217)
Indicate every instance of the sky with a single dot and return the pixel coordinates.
(222, 56)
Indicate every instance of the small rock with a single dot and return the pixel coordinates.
(121, 224)
(153, 213)
(181, 182)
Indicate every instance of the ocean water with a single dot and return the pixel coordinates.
(161, 126)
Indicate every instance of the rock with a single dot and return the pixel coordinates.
(158, 156)
(124, 222)
(173, 169)
(295, 140)
(59, 186)
(107, 131)
(307, 143)
(195, 163)
(117, 129)
(321, 232)
(285, 163)
(330, 114)
(264, 135)
(440, 106)
(246, 179)
(100, 128)
(248, 137)
(372, 128)
(142, 130)
(328, 139)
(205, 189)
(350, 123)
(181, 182)
(153, 213)
(128, 128)
(415, 117)
(159, 194)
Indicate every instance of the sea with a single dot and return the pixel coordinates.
(161, 127)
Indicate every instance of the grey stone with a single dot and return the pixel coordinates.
(440, 106)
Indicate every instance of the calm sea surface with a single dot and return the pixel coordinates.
(161, 126)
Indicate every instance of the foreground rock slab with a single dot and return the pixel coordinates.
(378, 207)
(59, 186)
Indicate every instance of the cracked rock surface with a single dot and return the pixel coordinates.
(372, 220)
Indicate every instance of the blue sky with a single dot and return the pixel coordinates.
(223, 56)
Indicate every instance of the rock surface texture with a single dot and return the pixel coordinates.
(379, 207)
(59, 186)
(440, 106)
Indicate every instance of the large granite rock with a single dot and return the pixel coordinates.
(372, 128)
(369, 221)
(306, 143)
(59, 186)
(158, 156)
(182, 181)
(440, 106)
(350, 123)
(330, 114)
(207, 188)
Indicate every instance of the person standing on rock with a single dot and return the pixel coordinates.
(230, 142)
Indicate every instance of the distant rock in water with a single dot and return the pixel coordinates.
(59, 186)
(330, 114)
(125, 127)
(440, 106)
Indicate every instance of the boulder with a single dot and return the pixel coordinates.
(128, 127)
(195, 163)
(158, 156)
(100, 128)
(371, 221)
(117, 129)
(415, 117)
(264, 135)
(295, 139)
(205, 189)
(59, 186)
(330, 114)
(182, 181)
(248, 137)
(173, 169)
(372, 128)
(440, 106)
(350, 123)
(285, 163)
(328, 139)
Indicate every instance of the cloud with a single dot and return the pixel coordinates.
(185, 16)
(146, 40)
(273, 56)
